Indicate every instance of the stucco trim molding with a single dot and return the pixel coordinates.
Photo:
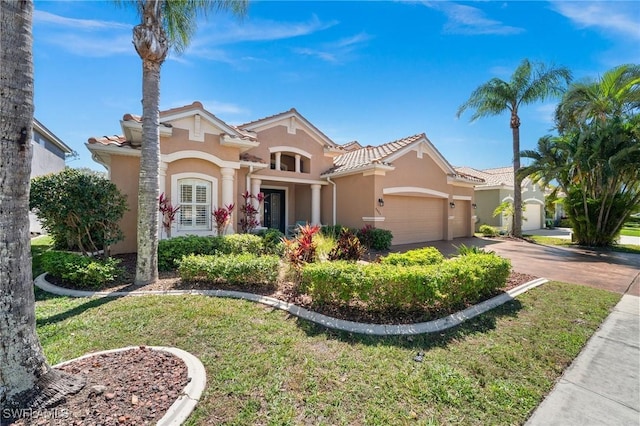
(373, 219)
(415, 191)
(190, 154)
(289, 179)
(283, 148)
(533, 200)
(462, 197)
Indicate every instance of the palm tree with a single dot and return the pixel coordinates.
(530, 82)
(596, 158)
(165, 25)
(26, 380)
(615, 94)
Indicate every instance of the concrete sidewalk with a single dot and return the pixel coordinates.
(602, 385)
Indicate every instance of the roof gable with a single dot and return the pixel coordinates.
(292, 120)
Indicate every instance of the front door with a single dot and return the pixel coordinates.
(274, 206)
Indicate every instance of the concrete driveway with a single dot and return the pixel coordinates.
(602, 269)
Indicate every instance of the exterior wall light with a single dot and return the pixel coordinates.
(452, 205)
(474, 205)
(381, 202)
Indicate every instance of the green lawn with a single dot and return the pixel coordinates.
(266, 367)
(630, 232)
(552, 241)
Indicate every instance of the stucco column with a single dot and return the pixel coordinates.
(255, 190)
(297, 163)
(315, 204)
(162, 186)
(227, 192)
(278, 160)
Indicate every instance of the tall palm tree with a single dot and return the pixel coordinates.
(615, 94)
(26, 380)
(165, 25)
(530, 82)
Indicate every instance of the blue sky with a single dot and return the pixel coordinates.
(367, 71)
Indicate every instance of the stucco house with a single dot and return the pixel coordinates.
(405, 186)
(497, 188)
(49, 154)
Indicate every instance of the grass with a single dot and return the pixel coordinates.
(266, 367)
(552, 241)
(630, 232)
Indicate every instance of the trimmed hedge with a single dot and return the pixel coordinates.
(81, 271)
(231, 268)
(386, 286)
(488, 231)
(375, 238)
(172, 250)
(423, 256)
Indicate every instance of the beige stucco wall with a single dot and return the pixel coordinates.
(124, 174)
(279, 136)
(355, 199)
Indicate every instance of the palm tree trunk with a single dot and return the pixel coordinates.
(517, 181)
(148, 186)
(26, 380)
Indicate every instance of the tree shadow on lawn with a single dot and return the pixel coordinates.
(90, 303)
(426, 341)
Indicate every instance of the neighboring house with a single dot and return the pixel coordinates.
(497, 188)
(405, 186)
(49, 154)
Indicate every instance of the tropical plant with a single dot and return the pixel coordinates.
(302, 249)
(81, 211)
(596, 158)
(26, 380)
(249, 220)
(375, 238)
(507, 210)
(168, 213)
(347, 247)
(222, 217)
(530, 82)
(165, 25)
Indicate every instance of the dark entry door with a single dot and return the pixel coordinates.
(274, 206)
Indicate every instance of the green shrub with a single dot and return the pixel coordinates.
(80, 210)
(469, 278)
(81, 271)
(231, 268)
(449, 284)
(464, 250)
(347, 247)
(172, 250)
(272, 241)
(488, 230)
(241, 243)
(422, 256)
(375, 238)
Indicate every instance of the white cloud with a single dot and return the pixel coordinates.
(618, 18)
(337, 51)
(42, 17)
(463, 19)
(545, 112)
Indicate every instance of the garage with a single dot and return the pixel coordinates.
(532, 217)
(414, 219)
(462, 219)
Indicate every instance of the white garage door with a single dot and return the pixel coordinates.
(533, 216)
(413, 219)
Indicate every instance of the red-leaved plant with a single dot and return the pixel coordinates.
(168, 213)
(249, 220)
(222, 217)
(301, 249)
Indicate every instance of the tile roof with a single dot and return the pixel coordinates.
(492, 177)
(350, 146)
(251, 158)
(369, 155)
(115, 140)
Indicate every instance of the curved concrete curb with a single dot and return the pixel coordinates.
(326, 321)
(186, 402)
